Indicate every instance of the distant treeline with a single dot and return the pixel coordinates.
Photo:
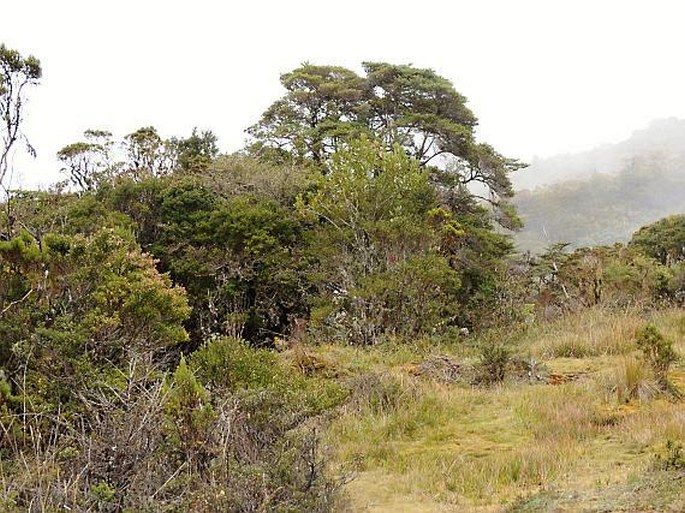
(604, 208)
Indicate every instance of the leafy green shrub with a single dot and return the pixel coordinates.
(494, 359)
(76, 308)
(617, 276)
(102, 494)
(239, 258)
(230, 364)
(191, 413)
(671, 457)
(415, 297)
(659, 353)
(572, 347)
(663, 240)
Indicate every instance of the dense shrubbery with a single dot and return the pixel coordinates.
(94, 385)
(619, 276)
(664, 240)
(75, 308)
(167, 441)
(96, 414)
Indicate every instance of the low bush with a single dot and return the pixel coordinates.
(493, 363)
(659, 353)
(671, 457)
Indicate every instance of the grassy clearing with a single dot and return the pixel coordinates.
(589, 334)
(413, 443)
(471, 447)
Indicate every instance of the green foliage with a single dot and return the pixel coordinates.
(252, 262)
(374, 205)
(237, 258)
(391, 256)
(664, 240)
(44, 213)
(73, 306)
(196, 152)
(102, 494)
(192, 416)
(321, 105)
(94, 162)
(148, 154)
(326, 107)
(167, 443)
(417, 296)
(494, 359)
(235, 175)
(88, 163)
(378, 246)
(13, 62)
(671, 457)
(160, 248)
(237, 252)
(558, 281)
(17, 73)
(230, 364)
(659, 352)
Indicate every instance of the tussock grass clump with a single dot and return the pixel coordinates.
(379, 394)
(632, 380)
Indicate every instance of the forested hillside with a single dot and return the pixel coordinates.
(604, 196)
(329, 319)
(663, 137)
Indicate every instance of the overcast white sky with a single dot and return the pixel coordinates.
(543, 77)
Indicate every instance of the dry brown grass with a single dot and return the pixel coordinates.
(588, 334)
(450, 447)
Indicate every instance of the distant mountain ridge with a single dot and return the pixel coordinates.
(662, 136)
(604, 195)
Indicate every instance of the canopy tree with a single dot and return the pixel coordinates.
(16, 74)
(663, 240)
(387, 256)
(88, 162)
(325, 106)
(98, 159)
